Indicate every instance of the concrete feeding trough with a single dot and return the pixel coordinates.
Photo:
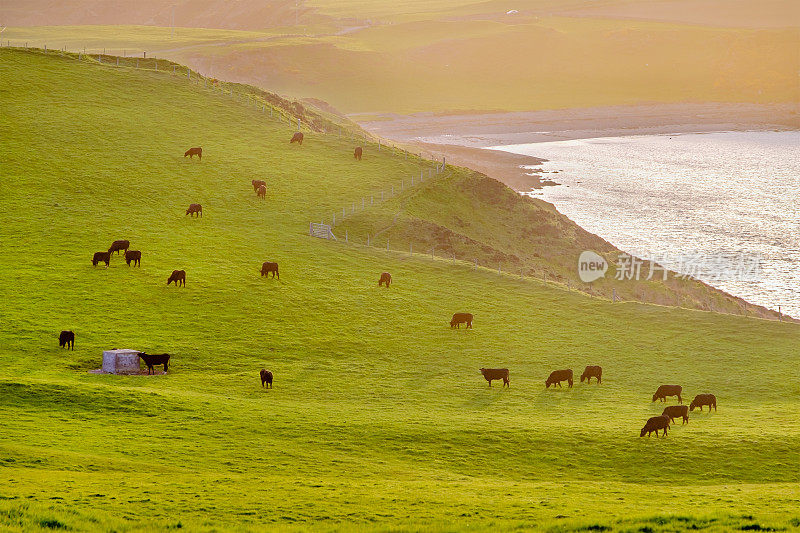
(121, 361)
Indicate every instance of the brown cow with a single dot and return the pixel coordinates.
(358, 153)
(134, 256)
(262, 191)
(496, 373)
(101, 256)
(116, 246)
(385, 278)
(178, 276)
(654, 424)
(668, 390)
(195, 209)
(191, 152)
(461, 318)
(266, 378)
(557, 376)
(268, 267)
(675, 411)
(592, 372)
(257, 184)
(67, 339)
(704, 399)
(297, 138)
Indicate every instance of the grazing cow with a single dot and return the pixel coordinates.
(668, 390)
(178, 276)
(67, 340)
(101, 256)
(704, 399)
(262, 191)
(557, 376)
(118, 246)
(268, 267)
(496, 373)
(297, 138)
(134, 256)
(257, 184)
(266, 378)
(358, 153)
(385, 278)
(592, 372)
(191, 152)
(461, 318)
(654, 424)
(195, 209)
(152, 359)
(675, 411)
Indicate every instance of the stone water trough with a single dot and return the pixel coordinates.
(121, 361)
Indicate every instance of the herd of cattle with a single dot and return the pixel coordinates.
(654, 424)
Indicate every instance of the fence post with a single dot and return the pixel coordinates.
(188, 73)
(613, 295)
(420, 175)
(99, 59)
(498, 268)
(433, 252)
(45, 49)
(476, 265)
(381, 196)
(345, 235)
(379, 145)
(780, 315)
(520, 274)
(156, 66)
(334, 219)
(144, 54)
(412, 181)
(310, 228)
(411, 248)
(137, 62)
(367, 239)
(117, 61)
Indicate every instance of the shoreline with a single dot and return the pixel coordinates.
(463, 138)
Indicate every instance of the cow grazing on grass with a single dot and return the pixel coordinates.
(668, 390)
(195, 210)
(592, 372)
(268, 267)
(119, 246)
(496, 373)
(461, 318)
(654, 424)
(257, 184)
(105, 257)
(134, 256)
(385, 278)
(152, 359)
(178, 276)
(704, 399)
(191, 152)
(675, 411)
(358, 153)
(557, 376)
(67, 340)
(297, 138)
(266, 378)
(262, 191)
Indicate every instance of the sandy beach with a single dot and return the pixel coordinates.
(462, 138)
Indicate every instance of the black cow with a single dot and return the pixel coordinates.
(67, 339)
(118, 246)
(178, 276)
(134, 256)
(105, 257)
(266, 378)
(152, 359)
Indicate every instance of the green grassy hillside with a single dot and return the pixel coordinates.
(379, 419)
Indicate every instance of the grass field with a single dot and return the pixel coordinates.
(379, 419)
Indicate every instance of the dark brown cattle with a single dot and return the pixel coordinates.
(262, 191)
(178, 276)
(152, 359)
(101, 256)
(268, 267)
(592, 372)
(654, 424)
(358, 153)
(675, 411)
(557, 376)
(461, 318)
(195, 209)
(118, 246)
(704, 399)
(496, 373)
(266, 378)
(668, 390)
(297, 138)
(191, 152)
(385, 278)
(257, 184)
(134, 256)
(67, 340)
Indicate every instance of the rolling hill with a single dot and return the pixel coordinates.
(379, 419)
